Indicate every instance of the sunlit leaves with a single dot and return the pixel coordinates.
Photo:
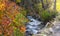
(2, 6)
(58, 5)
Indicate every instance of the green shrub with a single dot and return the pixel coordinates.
(17, 32)
(47, 16)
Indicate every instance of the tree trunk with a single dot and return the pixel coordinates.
(42, 4)
(54, 5)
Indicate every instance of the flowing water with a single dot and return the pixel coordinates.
(34, 27)
(52, 30)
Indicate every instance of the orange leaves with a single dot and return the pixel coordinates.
(8, 31)
(22, 29)
(10, 8)
(5, 20)
(10, 5)
(0, 30)
(10, 13)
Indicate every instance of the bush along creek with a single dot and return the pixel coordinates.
(35, 26)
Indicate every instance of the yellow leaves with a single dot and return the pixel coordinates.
(15, 21)
(58, 5)
(2, 6)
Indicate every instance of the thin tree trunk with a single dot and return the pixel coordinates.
(47, 4)
(54, 5)
(42, 4)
